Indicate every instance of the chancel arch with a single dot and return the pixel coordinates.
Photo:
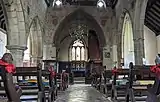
(77, 40)
(127, 42)
(34, 43)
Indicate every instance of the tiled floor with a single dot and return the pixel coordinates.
(81, 93)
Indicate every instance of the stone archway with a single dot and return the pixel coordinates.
(127, 44)
(91, 21)
(35, 42)
(62, 33)
(120, 28)
(15, 29)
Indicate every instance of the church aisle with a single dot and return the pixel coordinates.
(81, 93)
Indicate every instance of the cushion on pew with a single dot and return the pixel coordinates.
(145, 82)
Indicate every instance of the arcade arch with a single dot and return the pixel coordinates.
(127, 42)
(33, 54)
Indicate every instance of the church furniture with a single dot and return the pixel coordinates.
(9, 89)
(62, 81)
(51, 88)
(37, 90)
(134, 90)
(44, 83)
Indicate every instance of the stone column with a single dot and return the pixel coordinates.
(17, 53)
(115, 55)
(107, 59)
(139, 16)
(139, 47)
(35, 60)
(49, 52)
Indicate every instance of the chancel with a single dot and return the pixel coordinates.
(79, 50)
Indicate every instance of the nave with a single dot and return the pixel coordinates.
(82, 93)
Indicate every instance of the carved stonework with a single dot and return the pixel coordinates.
(103, 22)
(55, 20)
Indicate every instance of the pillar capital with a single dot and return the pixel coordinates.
(17, 53)
(16, 47)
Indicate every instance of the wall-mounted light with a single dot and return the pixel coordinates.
(101, 4)
(57, 3)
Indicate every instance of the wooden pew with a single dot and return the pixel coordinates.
(8, 89)
(131, 89)
(44, 91)
(36, 91)
(52, 88)
(106, 86)
(62, 81)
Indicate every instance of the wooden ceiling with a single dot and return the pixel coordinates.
(152, 16)
(2, 19)
(110, 3)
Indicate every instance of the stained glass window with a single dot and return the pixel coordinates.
(78, 51)
(82, 53)
(73, 53)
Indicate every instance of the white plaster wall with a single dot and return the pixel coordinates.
(63, 53)
(150, 45)
(158, 43)
(3, 42)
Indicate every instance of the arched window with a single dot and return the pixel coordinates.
(127, 42)
(78, 51)
(3, 43)
(26, 58)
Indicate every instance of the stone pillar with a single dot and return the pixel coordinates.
(139, 16)
(107, 59)
(115, 55)
(139, 47)
(49, 52)
(35, 60)
(17, 53)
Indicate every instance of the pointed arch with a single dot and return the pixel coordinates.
(35, 42)
(127, 41)
(90, 20)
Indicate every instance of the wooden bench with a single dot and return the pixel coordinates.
(52, 88)
(62, 81)
(105, 85)
(36, 88)
(133, 92)
(8, 88)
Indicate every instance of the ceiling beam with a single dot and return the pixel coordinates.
(151, 23)
(153, 20)
(153, 15)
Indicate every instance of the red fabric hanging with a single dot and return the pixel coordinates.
(53, 73)
(156, 69)
(10, 68)
(114, 71)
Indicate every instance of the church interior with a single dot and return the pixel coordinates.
(80, 50)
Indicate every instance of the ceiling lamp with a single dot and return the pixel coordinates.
(101, 4)
(57, 3)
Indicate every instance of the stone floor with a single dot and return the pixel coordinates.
(81, 93)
